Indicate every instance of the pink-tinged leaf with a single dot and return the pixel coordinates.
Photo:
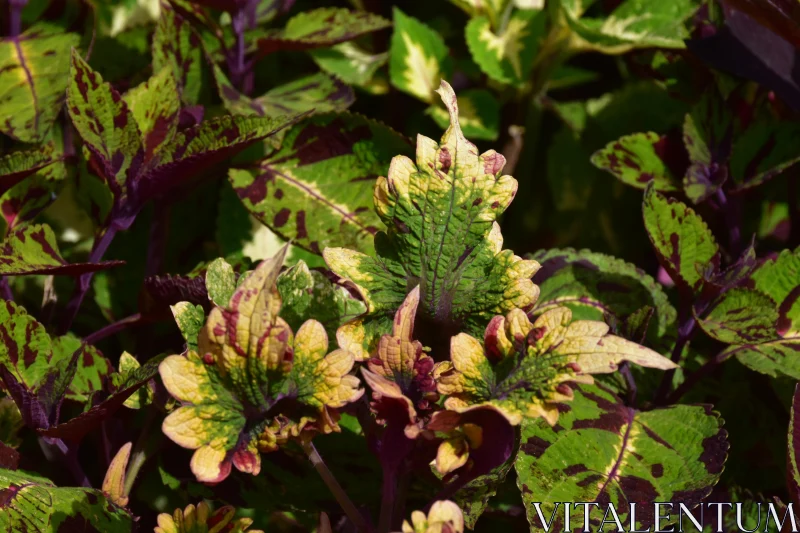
(33, 250)
(106, 125)
(76, 428)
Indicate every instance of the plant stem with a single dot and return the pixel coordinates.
(159, 231)
(70, 457)
(692, 379)
(113, 328)
(336, 489)
(732, 221)
(625, 370)
(5, 290)
(15, 17)
(387, 500)
(399, 509)
(685, 332)
(82, 286)
(139, 455)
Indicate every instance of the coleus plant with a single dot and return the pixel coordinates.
(357, 331)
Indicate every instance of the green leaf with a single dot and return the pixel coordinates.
(349, 63)
(633, 24)
(190, 319)
(308, 294)
(10, 422)
(507, 57)
(155, 105)
(602, 450)
(17, 166)
(765, 149)
(442, 234)
(742, 316)
(91, 371)
(418, 57)
(473, 498)
(793, 447)
(322, 27)
(707, 132)
(521, 367)
(33, 503)
(779, 278)
(129, 366)
(178, 47)
(479, 114)
(105, 124)
(317, 188)
(319, 93)
(33, 76)
(220, 282)
(777, 357)
(33, 250)
(593, 285)
(684, 244)
(634, 160)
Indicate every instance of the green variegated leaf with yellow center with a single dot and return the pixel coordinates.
(442, 235)
(604, 451)
(507, 56)
(252, 384)
(34, 69)
(522, 368)
(418, 57)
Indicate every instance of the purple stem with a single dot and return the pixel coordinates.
(693, 378)
(101, 244)
(159, 231)
(685, 332)
(625, 370)
(15, 8)
(387, 499)
(5, 290)
(113, 328)
(70, 457)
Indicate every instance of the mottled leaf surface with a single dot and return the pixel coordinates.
(178, 47)
(779, 278)
(683, 242)
(17, 166)
(441, 234)
(592, 285)
(33, 503)
(507, 56)
(742, 316)
(33, 250)
(155, 105)
(317, 188)
(308, 294)
(418, 57)
(34, 71)
(200, 519)
(349, 63)
(634, 159)
(602, 451)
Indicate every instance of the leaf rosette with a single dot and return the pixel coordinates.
(253, 384)
(442, 235)
(524, 369)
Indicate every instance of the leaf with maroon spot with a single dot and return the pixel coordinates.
(32, 503)
(442, 233)
(154, 105)
(33, 250)
(707, 135)
(682, 241)
(34, 70)
(316, 190)
(635, 160)
(17, 166)
(594, 285)
(75, 428)
(741, 316)
(603, 451)
(178, 47)
(106, 125)
(320, 93)
(321, 28)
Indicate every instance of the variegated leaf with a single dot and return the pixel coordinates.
(523, 368)
(349, 63)
(155, 105)
(33, 250)
(604, 451)
(441, 234)
(742, 316)
(17, 166)
(418, 57)
(317, 188)
(507, 56)
(178, 47)
(635, 160)
(34, 71)
(444, 517)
